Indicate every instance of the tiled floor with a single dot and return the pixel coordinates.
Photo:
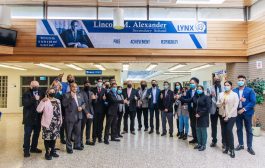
(134, 151)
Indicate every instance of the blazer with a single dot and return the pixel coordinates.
(113, 103)
(71, 109)
(228, 104)
(46, 109)
(68, 37)
(29, 103)
(250, 102)
(167, 101)
(65, 85)
(99, 103)
(190, 104)
(211, 90)
(201, 104)
(131, 99)
(143, 100)
(150, 102)
(88, 101)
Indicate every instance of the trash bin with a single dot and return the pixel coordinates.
(256, 131)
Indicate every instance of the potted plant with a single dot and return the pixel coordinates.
(258, 85)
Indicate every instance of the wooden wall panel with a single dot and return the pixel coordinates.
(256, 35)
(6, 50)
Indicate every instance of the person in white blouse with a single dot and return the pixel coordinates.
(228, 102)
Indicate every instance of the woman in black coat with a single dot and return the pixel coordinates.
(201, 105)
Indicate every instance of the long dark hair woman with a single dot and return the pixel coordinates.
(177, 91)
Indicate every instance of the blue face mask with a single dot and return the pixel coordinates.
(240, 83)
(60, 92)
(199, 92)
(177, 87)
(192, 85)
(114, 90)
(227, 88)
(119, 91)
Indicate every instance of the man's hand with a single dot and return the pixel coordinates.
(104, 97)
(161, 96)
(37, 97)
(125, 101)
(166, 110)
(177, 97)
(93, 97)
(88, 116)
(241, 111)
(44, 99)
(149, 97)
(197, 115)
(80, 109)
(243, 99)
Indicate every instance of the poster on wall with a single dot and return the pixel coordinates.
(136, 34)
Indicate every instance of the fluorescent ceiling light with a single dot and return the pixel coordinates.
(199, 2)
(100, 67)
(48, 66)
(151, 66)
(170, 73)
(74, 67)
(125, 67)
(180, 71)
(177, 67)
(12, 67)
(202, 67)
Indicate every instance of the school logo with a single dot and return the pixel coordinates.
(200, 27)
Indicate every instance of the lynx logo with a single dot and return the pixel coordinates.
(200, 27)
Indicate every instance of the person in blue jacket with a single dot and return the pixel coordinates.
(246, 106)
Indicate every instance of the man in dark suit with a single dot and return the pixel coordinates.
(112, 114)
(153, 97)
(99, 109)
(132, 96)
(192, 111)
(31, 118)
(74, 105)
(166, 106)
(75, 38)
(87, 120)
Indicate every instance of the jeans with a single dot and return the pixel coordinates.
(154, 111)
(201, 135)
(167, 116)
(247, 119)
(184, 122)
(229, 137)
(28, 129)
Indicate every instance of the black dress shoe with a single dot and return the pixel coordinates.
(124, 132)
(202, 148)
(100, 141)
(178, 134)
(171, 135)
(54, 154)
(114, 139)
(157, 132)
(106, 142)
(26, 154)
(146, 129)
(69, 151)
(232, 154)
(239, 147)
(120, 136)
(82, 146)
(48, 156)
(213, 144)
(181, 135)
(163, 134)
(132, 132)
(78, 148)
(251, 151)
(139, 129)
(197, 147)
(35, 150)
(185, 137)
(91, 143)
(193, 141)
(225, 151)
(151, 131)
(63, 141)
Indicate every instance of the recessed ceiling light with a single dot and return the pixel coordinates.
(74, 67)
(48, 66)
(151, 66)
(12, 67)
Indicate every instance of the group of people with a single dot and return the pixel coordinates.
(67, 112)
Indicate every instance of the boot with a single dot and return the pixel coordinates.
(181, 135)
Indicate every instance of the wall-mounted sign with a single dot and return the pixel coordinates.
(259, 64)
(136, 34)
(93, 72)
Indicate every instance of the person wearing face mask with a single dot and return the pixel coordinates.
(166, 106)
(191, 108)
(142, 106)
(132, 96)
(177, 91)
(31, 118)
(214, 92)
(99, 110)
(87, 120)
(66, 85)
(247, 102)
(121, 111)
(153, 101)
(201, 104)
(228, 103)
(51, 122)
(112, 114)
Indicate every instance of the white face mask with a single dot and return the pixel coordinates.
(166, 87)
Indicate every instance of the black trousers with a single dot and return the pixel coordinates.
(28, 129)
(73, 129)
(97, 126)
(86, 123)
(62, 129)
(128, 114)
(193, 123)
(228, 132)
(214, 123)
(154, 111)
(144, 112)
(49, 146)
(103, 117)
(120, 115)
(111, 123)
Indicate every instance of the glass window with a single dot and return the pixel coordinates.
(26, 12)
(72, 13)
(221, 14)
(172, 14)
(43, 80)
(129, 13)
(26, 80)
(80, 80)
(257, 9)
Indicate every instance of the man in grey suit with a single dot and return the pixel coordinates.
(74, 105)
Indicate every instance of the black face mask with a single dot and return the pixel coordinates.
(71, 81)
(87, 88)
(143, 86)
(107, 86)
(35, 88)
(153, 85)
(217, 83)
(52, 95)
(129, 85)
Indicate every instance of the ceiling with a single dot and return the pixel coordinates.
(154, 3)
